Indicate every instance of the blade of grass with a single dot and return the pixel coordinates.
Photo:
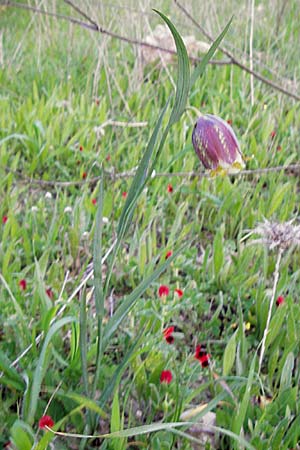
(199, 69)
(183, 74)
(12, 378)
(129, 301)
(40, 368)
(242, 410)
(99, 294)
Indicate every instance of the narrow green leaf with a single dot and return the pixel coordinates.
(22, 435)
(287, 372)
(218, 253)
(229, 355)
(99, 294)
(12, 378)
(276, 325)
(41, 366)
(183, 77)
(129, 301)
(242, 410)
(198, 71)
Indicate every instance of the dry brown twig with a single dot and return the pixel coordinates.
(130, 173)
(234, 60)
(92, 25)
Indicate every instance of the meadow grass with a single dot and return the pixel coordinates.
(59, 84)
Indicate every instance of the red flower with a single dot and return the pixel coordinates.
(179, 292)
(168, 335)
(49, 292)
(279, 148)
(280, 300)
(22, 284)
(80, 148)
(166, 376)
(229, 121)
(108, 158)
(272, 134)
(202, 356)
(124, 194)
(168, 254)
(94, 201)
(170, 188)
(46, 421)
(84, 175)
(163, 290)
(4, 219)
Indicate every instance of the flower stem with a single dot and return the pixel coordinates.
(276, 278)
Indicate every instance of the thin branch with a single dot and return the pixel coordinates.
(235, 61)
(130, 173)
(96, 28)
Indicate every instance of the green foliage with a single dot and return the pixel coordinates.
(101, 372)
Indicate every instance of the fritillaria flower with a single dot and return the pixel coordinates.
(216, 145)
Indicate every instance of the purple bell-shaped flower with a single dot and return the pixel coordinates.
(216, 145)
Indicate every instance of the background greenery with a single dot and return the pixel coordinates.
(59, 82)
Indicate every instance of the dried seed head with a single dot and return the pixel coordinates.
(277, 235)
(216, 145)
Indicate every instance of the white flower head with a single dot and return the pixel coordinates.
(276, 235)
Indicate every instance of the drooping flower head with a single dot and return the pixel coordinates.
(216, 144)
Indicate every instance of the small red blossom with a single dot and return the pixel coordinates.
(168, 335)
(49, 292)
(46, 421)
(124, 194)
(163, 290)
(84, 175)
(279, 148)
(169, 253)
(229, 121)
(4, 219)
(166, 376)
(170, 188)
(80, 148)
(23, 284)
(179, 292)
(280, 300)
(108, 158)
(272, 134)
(94, 201)
(97, 101)
(202, 356)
